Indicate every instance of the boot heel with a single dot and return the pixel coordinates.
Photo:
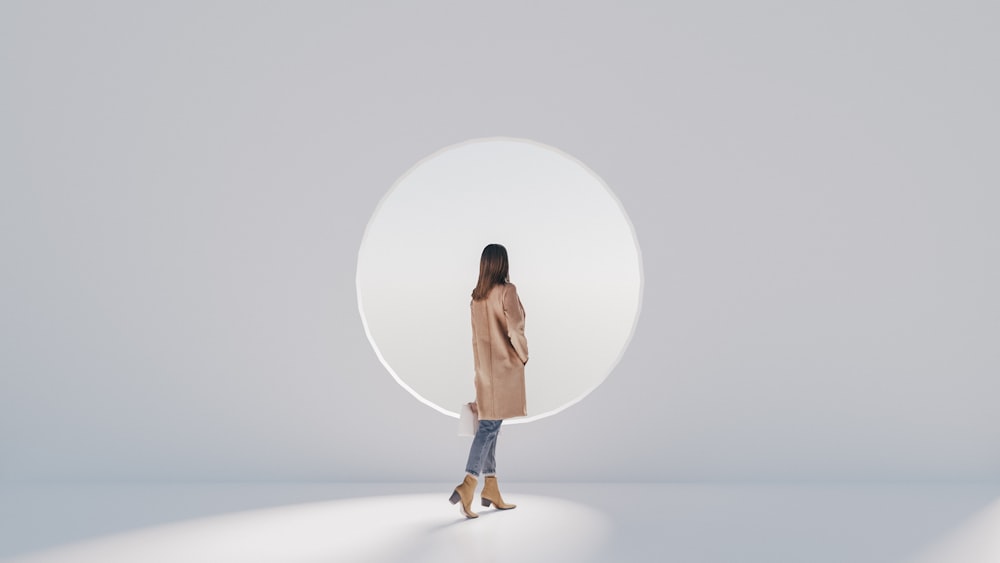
(455, 497)
(491, 495)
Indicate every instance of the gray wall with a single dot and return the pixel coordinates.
(185, 186)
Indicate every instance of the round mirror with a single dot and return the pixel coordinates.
(573, 256)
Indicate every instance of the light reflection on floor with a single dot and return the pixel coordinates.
(977, 540)
(382, 529)
(388, 522)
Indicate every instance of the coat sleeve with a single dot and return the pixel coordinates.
(514, 311)
(475, 346)
(475, 359)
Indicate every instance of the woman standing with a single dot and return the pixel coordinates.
(501, 352)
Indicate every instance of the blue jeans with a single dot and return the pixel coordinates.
(482, 454)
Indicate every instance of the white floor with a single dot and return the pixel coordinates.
(686, 523)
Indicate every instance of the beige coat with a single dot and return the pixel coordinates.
(500, 352)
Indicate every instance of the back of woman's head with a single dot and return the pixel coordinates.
(493, 270)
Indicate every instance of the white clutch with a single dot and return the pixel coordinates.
(467, 421)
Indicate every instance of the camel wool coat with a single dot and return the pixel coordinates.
(500, 351)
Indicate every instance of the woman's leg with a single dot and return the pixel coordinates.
(485, 437)
(490, 453)
(491, 490)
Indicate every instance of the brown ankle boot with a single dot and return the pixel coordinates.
(491, 494)
(464, 493)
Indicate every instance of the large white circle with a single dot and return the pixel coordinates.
(573, 256)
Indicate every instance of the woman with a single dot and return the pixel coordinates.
(501, 352)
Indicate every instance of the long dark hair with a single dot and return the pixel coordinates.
(493, 270)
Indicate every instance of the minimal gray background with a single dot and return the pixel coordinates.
(813, 186)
